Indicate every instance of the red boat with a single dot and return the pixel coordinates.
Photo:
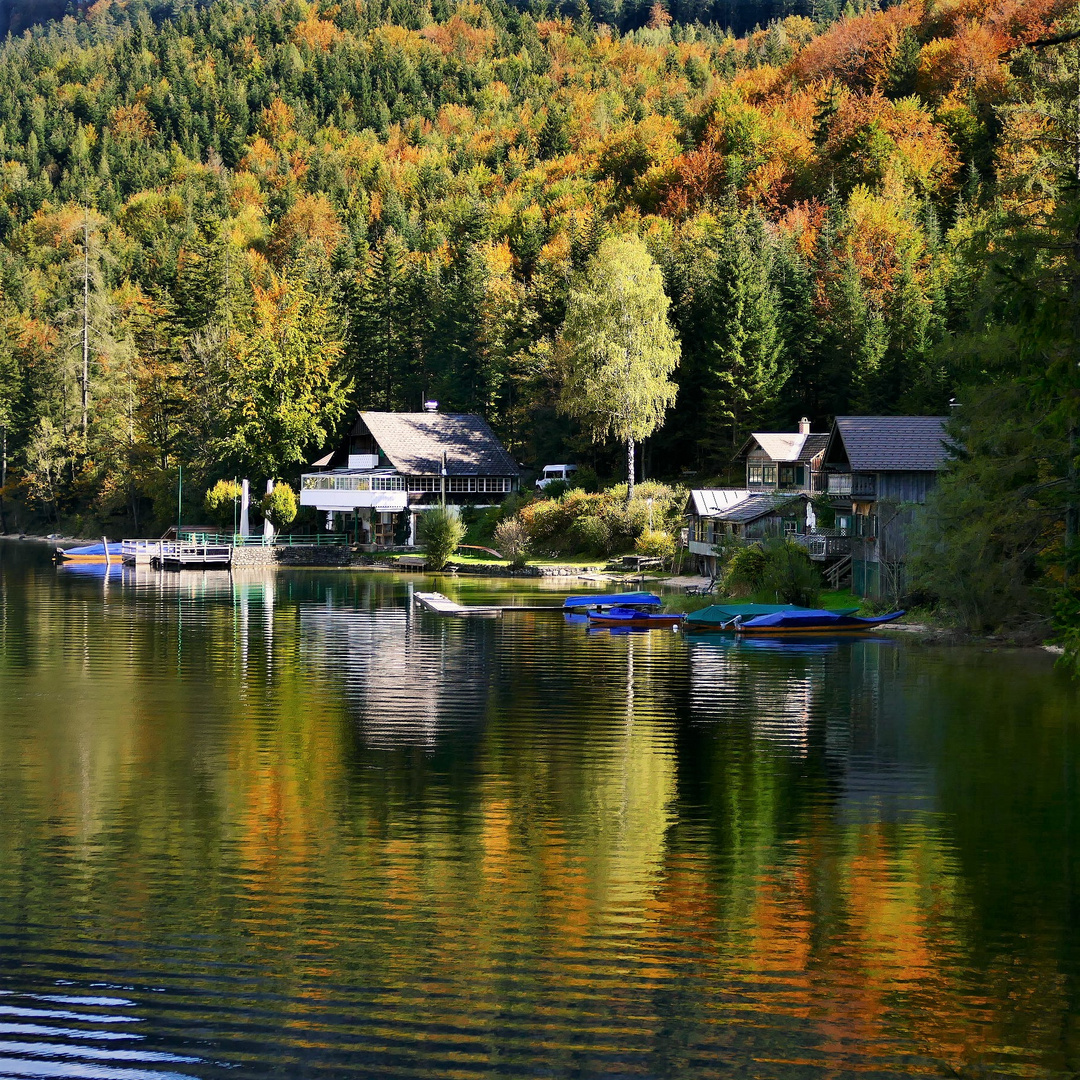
(628, 616)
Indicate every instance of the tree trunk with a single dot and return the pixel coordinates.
(86, 330)
(629, 469)
(1072, 510)
(3, 476)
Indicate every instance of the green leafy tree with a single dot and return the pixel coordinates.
(617, 348)
(220, 502)
(441, 530)
(279, 506)
(287, 391)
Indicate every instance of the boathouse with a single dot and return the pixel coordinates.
(716, 516)
(880, 468)
(391, 467)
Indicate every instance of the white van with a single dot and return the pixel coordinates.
(552, 473)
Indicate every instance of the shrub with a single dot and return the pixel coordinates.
(745, 571)
(585, 479)
(219, 502)
(592, 535)
(279, 506)
(440, 533)
(655, 543)
(790, 577)
(512, 541)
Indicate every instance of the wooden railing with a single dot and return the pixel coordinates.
(858, 485)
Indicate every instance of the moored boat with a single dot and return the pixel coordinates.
(720, 618)
(604, 601)
(633, 617)
(809, 621)
(90, 553)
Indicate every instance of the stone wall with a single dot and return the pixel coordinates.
(300, 555)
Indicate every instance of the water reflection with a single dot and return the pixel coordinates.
(300, 828)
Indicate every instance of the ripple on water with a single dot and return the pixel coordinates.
(287, 825)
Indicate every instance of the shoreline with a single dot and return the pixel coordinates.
(928, 633)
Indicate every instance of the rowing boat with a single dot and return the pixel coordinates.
(628, 616)
(809, 621)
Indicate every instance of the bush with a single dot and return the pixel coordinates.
(776, 571)
(655, 543)
(745, 571)
(601, 523)
(790, 577)
(220, 501)
(591, 535)
(440, 533)
(585, 479)
(279, 506)
(512, 541)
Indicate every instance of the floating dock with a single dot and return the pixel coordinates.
(443, 605)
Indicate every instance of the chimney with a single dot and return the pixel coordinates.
(804, 426)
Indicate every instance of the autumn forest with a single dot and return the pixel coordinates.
(223, 228)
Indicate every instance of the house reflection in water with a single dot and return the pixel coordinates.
(406, 677)
(832, 699)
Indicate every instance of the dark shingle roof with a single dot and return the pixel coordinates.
(754, 507)
(415, 444)
(814, 445)
(893, 443)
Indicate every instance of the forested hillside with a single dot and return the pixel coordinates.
(272, 213)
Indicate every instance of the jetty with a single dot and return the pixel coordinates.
(176, 554)
(442, 605)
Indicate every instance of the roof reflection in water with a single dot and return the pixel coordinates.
(404, 676)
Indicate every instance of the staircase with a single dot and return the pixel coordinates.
(839, 570)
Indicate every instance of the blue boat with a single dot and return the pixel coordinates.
(810, 621)
(90, 553)
(603, 601)
(720, 618)
(621, 615)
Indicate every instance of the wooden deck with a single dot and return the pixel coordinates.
(174, 555)
(443, 605)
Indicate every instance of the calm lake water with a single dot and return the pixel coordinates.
(284, 826)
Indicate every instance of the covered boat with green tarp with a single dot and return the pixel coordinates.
(720, 618)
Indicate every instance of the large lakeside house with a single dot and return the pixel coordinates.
(873, 470)
(391, 467)
(880, 468)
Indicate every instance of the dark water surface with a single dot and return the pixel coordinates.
(284, 826)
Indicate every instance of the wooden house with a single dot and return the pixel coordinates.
(880, 468)
(722, 515)
(391, 467)
(782, 461)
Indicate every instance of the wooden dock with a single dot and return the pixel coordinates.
(169, 553)
(443, 605)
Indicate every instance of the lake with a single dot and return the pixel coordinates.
(257, 826)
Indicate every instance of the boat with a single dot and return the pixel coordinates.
(809, 621)
(90, 553)
(633, 617)
(720, 618)
(603, 601)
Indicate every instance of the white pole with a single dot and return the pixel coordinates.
(245, 503)
(268, 528)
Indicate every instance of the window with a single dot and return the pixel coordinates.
(754, 473)
(792, 476)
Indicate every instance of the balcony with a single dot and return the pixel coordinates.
(856, 485)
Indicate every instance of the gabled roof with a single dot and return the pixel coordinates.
(708, 502)
(756, 506)
(415, 443)
(890, 443)
(787, 446)
(736, 505)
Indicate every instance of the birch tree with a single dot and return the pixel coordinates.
(617, 349)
